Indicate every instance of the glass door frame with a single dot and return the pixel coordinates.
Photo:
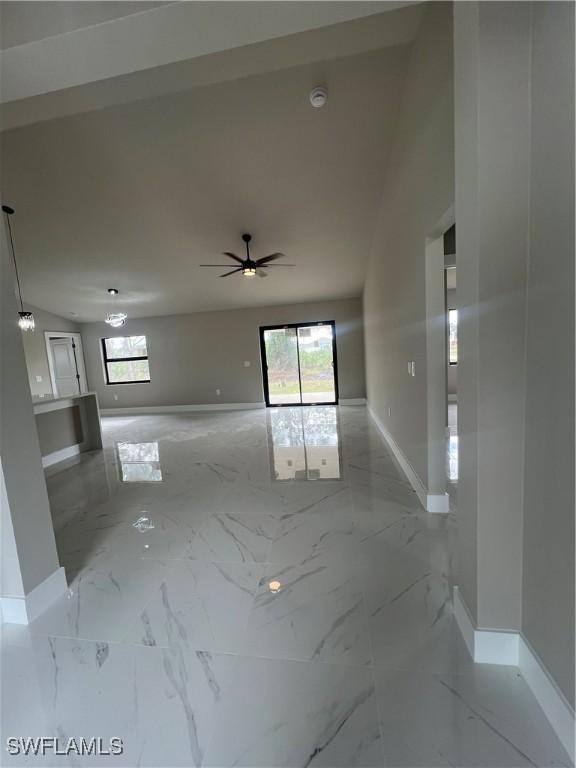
(264, 328)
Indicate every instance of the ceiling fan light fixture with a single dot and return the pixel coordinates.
(249, 267)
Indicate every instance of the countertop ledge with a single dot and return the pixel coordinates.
(51, 403)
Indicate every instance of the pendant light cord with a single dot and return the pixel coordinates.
(14, 260)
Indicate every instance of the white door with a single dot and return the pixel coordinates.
(65, 369)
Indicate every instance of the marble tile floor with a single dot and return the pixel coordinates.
(218, 616)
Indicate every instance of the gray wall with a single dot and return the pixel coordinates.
(28, 503)
(192, 355)
(10, 576)
(466, 204)
(548, 599)
(515, 223)
(514, 103)
(419, 189)
(59, 429)
(492, 56)
(35, 347)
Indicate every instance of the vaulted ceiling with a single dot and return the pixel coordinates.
(133, 182)
(27, 22)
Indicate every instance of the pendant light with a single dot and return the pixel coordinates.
(25, 319)
(115, 319)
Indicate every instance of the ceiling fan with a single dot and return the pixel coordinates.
(250, 267)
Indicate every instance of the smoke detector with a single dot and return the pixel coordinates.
(318, 96)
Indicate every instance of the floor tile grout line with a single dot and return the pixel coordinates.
(376, 668)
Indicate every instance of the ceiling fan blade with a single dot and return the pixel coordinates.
(270, 266)
(219, 266)
(233, 256)
(261, 273)
(272, 257)
(239, 269)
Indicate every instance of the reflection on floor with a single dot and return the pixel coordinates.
(220, 617)
(139, 462)
(305, 443)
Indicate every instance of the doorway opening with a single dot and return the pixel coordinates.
(66, 363)
(299, 364)
(452, 374)
(451, 314)
(437, 498)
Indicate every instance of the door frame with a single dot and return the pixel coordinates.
(436, 499)
(80, 367)
(264, 328)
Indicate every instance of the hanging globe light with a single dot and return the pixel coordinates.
(116, 319)
(25, 319)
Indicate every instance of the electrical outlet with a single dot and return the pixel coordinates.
(115, 397)
(218, 392)
(413, 368)
(38, 379)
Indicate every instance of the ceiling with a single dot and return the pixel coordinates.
(135, 196)
(26, 22)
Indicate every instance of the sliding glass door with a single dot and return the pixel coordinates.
(299, 364)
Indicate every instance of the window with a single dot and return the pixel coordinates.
(453, 336)
(126, 360)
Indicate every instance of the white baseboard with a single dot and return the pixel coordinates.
(146, 409)
(487, 646)
(437, 503)
(23, 610)
(13, 610)
(432, 502)
(558, 711)
(141, 410)
(65, 453)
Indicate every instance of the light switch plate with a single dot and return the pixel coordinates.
(247, 363)
(38, 379)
